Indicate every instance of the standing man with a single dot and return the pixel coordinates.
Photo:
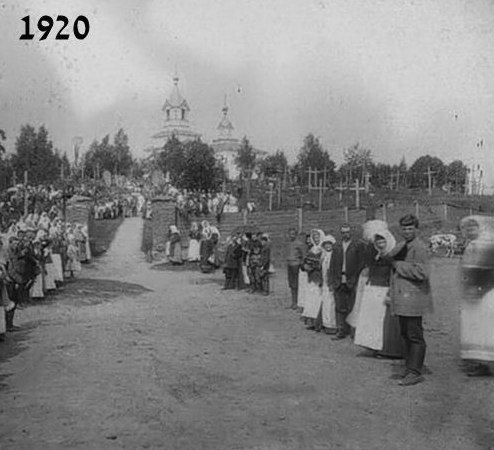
(294, 259)
(411, 296)
(346, 264)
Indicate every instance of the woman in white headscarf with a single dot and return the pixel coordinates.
(85, 233)
(38, 288)
(477, 305)
(328, 313)
(175, 246)
(73, 265)
(194, 237)
(312, 266)
(376, 328)
(55, 235)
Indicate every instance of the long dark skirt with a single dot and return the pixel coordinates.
(393, 343)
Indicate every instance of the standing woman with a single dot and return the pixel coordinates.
(328, 316)
(175, 246)
(56, 251)
(312, 266)
(195, 236)
(85, 233)
(376, 328)
(477, 306)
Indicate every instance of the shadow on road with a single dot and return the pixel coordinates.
(90, 291)
(14, 344)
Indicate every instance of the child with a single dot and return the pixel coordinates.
(232, 257)
(73, 263)
(265, 264)
(255, 261)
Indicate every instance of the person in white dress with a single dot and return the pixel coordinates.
(312, 266)
(376, 329)
(328, 314)
(477, 302)
(194, 254)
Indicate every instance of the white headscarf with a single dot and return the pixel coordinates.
(374, 228)
(316, 248)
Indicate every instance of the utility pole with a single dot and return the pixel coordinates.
(26, 196)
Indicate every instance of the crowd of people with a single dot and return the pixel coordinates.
(377, 291)
(37, 254)
(245, 256)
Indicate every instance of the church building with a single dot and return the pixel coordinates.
(177, 123)
(225, 144)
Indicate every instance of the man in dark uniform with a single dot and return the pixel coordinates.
(346, 264)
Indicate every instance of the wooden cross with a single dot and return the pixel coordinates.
(467, 184)
(429, 179)
(271, 192)
(366, 181)
(340, 189)
(357, 190)
(279, 193)
(395, 179)
(320, 195)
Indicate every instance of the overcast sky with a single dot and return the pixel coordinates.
(404, 78)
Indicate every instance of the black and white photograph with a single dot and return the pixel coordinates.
(247, 224)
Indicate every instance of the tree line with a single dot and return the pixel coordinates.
(315, 164)
(193, 165)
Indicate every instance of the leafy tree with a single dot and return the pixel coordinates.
(357, 162)
(115, 157)
(99, 157)
(120, 153)
(2, 138)
(35, 153)
(456, 173)
(246, 159)
(5, 166)
(201, 170)
(313, 156)
(274, 165)
(380, 174)
(172, 160)
(419, 169)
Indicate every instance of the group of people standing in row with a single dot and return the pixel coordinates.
(246, 260)
(37, 254)
(372, 289)
(378, 291)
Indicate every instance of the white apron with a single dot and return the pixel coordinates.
(369, 331)
(313, 301)
(303, 284)
(57, 264)
(362, 281)
(194, 254)
(477, 328)
(328, 308)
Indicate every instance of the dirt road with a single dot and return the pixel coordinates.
(131, 357)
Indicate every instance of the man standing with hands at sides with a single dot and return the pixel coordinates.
(346, 264)
(411, 297)
(294, 259)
